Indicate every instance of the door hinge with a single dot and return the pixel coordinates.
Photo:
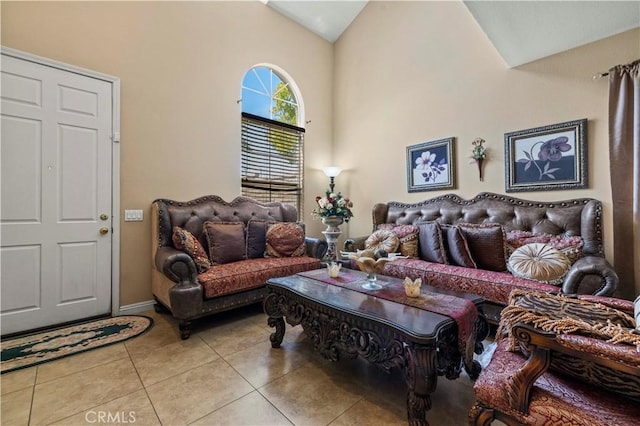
(115, 138)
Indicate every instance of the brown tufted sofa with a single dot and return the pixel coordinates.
(176, 283)
(591, 274)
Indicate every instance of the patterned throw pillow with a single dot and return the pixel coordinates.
(407, 236)
(571, 246)
(456, 247)
(285, 239)
(226, 241)
(382, 240)
(431, 246)
(188, 243)
(539, 262)
(487, 244)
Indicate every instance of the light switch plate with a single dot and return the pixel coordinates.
(133, 216)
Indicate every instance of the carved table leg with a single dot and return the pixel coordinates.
(277, 336)
(272, 308)
(421, 377)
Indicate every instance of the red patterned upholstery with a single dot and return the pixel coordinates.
(251, 273)
(554, 399)
(492, 286)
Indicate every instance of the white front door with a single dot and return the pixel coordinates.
(56, 192)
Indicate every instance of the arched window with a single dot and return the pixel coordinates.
(272, 141)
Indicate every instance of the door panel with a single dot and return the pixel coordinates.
(20, 289)
(78, 273)
(78, 174)
(21, 142)
(56, 181)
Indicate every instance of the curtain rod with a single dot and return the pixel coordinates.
(599, 75)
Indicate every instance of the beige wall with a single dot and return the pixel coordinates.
(402, 74)
(411, 72)
(181, 65)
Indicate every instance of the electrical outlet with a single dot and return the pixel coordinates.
(133, 216)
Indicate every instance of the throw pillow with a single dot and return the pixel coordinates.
(285, 239)
(226, 241)
(431, 246)
(571, 245)
(382, 240)
(407, 237)
(539, 262)
(257, 238)
(456, 247)
(487, 244)
(188, 243)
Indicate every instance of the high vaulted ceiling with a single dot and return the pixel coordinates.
(521, 31)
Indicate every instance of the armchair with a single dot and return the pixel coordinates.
(575, 377)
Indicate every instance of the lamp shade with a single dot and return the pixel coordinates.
(332, 171)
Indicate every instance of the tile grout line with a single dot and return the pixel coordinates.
(153, 407)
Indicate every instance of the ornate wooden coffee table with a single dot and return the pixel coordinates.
(341, 321)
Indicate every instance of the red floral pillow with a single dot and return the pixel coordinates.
(570, 246)
(188, 243)
(285, 239)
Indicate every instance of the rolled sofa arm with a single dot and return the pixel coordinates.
(186, 296)
(591, 275)
(316, 247)
(178, 266)
(355, 243)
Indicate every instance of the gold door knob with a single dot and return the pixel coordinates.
(104, 216)
(104, 231)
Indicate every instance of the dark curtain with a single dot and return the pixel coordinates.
(624, 156)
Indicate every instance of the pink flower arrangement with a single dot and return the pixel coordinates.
(333, 205)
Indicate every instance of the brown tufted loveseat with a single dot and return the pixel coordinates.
(175, 281)
(591, 274)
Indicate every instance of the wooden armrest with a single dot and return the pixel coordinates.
(537, 343)
(543, 348)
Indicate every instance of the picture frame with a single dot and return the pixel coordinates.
(547, 158)
(431, 165)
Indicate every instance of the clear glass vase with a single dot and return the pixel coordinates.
(372, 283)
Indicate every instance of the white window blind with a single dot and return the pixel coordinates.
(272, 161)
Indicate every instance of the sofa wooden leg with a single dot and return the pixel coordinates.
(480, 415)
(185, 329)
(159, 307)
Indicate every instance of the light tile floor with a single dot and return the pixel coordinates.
(225, 374)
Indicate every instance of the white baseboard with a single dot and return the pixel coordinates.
(136, 308)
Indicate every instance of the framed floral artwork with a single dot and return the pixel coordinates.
(547, 158)
(430, 166)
